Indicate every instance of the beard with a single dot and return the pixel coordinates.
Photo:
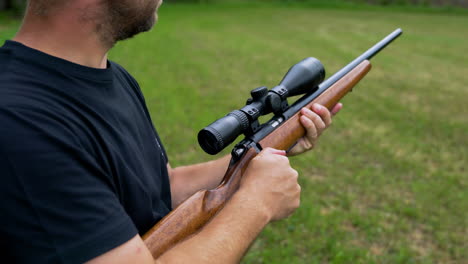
(124, 19)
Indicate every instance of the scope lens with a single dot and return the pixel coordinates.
(210, 141)
(222, 132)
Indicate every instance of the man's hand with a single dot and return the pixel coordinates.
(315, 121)
(271, 184)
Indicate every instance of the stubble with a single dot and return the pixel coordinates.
(122, 19)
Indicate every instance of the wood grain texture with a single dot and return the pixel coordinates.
(290, 131)
(196, 211)
(190, 216)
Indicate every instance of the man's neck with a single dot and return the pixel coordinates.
(65, 36)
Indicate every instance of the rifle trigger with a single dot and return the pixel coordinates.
(291, 147)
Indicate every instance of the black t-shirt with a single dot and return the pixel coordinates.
(81, 167)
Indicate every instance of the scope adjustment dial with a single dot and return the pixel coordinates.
(259, 93)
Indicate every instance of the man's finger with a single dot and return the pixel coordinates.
(323, 113)
(312, 132)
(336, 108)
(315, 118)
(273, 151)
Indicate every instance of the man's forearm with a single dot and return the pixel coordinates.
(226, 238)
(187, 180)
(223, 240)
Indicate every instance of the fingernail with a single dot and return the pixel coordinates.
(280, 152)
(317, 107)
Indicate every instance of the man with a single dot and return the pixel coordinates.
(83, 172)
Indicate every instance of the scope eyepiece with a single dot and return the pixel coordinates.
(223, 132)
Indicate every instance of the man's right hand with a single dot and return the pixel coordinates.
(269, 191)
(271, 183)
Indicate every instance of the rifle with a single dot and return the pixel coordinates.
(280, 132)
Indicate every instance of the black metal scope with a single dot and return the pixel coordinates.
(301, 78)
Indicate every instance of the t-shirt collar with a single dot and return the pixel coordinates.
(22, 51)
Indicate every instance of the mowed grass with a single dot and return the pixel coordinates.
(388, 181)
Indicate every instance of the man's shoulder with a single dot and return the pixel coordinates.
(117, 67)
(120, 71)
(25, 93)
(31, 106)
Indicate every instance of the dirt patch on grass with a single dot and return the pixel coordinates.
(349, 227)
(377, 250)
(421, 243)
(317, 177)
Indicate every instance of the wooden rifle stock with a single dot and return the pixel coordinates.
(190, 216)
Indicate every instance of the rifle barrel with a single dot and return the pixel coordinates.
(338, 75)
(365, 56)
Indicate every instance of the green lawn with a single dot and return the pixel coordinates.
(388, 181)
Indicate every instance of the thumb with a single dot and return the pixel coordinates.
(268, 151)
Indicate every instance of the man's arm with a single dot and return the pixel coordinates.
(259, 201)
(223, 240)
(187, 180)
(269, 191)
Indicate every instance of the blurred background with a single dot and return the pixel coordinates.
(387, 182)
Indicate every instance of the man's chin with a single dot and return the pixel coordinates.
(151, 22)
(144, 22)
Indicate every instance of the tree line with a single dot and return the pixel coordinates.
(19, 4)
(435, 3)
(12, 4)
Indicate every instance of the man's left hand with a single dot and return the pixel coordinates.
(315, 120)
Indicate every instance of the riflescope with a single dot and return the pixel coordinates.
(301, 78)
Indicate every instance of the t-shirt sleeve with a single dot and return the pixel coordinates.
(58, 205)
(133, 83)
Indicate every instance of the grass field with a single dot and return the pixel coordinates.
(388, 181)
